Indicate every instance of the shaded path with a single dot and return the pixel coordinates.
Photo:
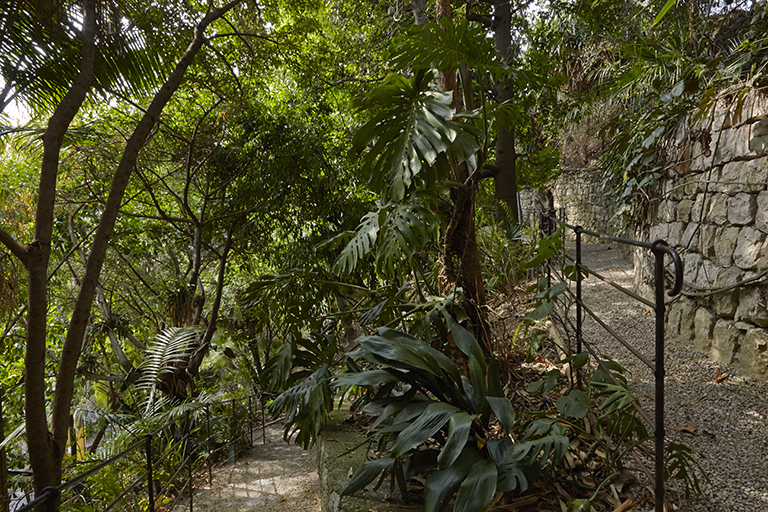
(271, 477)
(729, 418)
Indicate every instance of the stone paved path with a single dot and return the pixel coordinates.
(272, 477)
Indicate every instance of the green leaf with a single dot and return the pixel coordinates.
(478, 489)
(541, 312)
(367, 378)
(511, 475)
(458, 433)
(467, 343)
(366, 474)
(441, 486)
(663, 12)
(503, 410)
(426, 425)
(575, 404)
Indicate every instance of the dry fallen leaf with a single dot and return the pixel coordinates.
(686, 430)
(700, 399)
(720, 377)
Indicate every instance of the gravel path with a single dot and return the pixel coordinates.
(271, 477)
(728, 419)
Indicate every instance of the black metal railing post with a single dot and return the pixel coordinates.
(232, 435)
(150, 477)
(191, 485)
(578, 231)
(263, 420)
(208, 444)
(658, 251)
(251, 417)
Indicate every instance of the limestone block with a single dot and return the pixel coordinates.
(698, 207)
(752, 306)
(691, 267)
(690, 236)
(745, 176)
(724, 341)
(668, 211)
(685, 206)
(707, 275)
(748, 248)
(704, 324)
(726, 304)
(761, 217)
(724, 242)
(753, 353)
(681, 320)
(741, 209)
(755, 106)
(674, 233)
(743, 142)
(718, 209)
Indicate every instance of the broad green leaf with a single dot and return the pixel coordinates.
(575, 404)
(511, 475)
(458, 433)
(366, 474)
(503, 410)
(425, 426)
(478, 489)
(467, 343)
(367, 378)
(541, 311)
(441, 486)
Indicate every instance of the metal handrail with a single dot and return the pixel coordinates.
(52, 493)
(659, 248)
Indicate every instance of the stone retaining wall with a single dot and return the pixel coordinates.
(714, 210)
(578, 198)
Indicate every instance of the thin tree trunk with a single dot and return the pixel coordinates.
(45, 451)
(460, 241)
(197, 358)
(506, 154)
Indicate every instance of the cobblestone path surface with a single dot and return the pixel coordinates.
(271, 477)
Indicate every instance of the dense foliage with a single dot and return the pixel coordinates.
(324, 199)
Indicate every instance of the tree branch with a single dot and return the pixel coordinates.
(17, 250)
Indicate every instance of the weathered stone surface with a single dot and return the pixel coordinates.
(746, 141)
(691, 268)
(741, 209)
(680, 321)
(761, 217)
(698, 208)
(725, 304)
(707, 275)
(690, 236)
(685, 206)
(667, 211)
(724, 341)
(723, 244)
(752, 306)
(748, 248)
(753, 353)
(744, 176)
(704, 324)
(718, 209)
(674, 233)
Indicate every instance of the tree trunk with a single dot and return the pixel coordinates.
(506, 154)
(461, 255)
